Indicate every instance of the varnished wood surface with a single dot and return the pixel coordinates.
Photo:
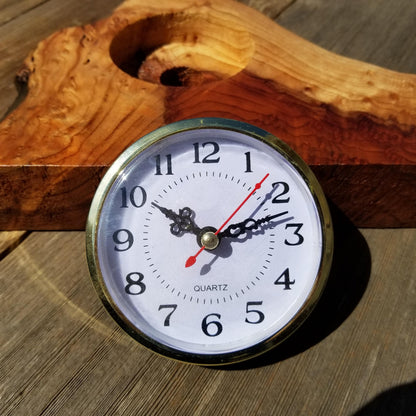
(61, 354)
(89, 95)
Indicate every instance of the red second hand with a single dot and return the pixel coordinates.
(191, 260)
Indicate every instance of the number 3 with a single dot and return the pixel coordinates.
(300, 238)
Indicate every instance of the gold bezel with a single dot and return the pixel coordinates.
(196, 124)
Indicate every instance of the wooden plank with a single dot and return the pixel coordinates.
(374, 32)
(62, 354)
(335, 112)
(9, 240)
(40, 18)
(272, 9)
(10, 9)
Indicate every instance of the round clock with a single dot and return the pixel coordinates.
(209, 241)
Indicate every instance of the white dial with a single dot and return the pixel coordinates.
(209, 240)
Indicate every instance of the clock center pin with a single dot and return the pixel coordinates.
(208, 238)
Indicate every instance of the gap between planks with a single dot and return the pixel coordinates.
(9, 240)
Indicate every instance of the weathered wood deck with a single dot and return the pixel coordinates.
(62, 354)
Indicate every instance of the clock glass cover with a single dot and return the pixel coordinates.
(209, 241)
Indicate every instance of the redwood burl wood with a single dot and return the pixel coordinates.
(94, 90)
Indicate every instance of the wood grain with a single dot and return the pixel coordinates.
(40, 18)
(362, 33)
(9, 240)
(93, 90)
(60, 353)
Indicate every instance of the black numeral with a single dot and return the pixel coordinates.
(248, 162)
(212, 328)
(285, 189)
(173, 309)
(136, 197)
(123, 239)
(135, 285)
(168, 165)
(208, 158)
(299, 239)
(258, 315)
(284, 279)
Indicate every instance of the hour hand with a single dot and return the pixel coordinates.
(182, 221)
(250, 224)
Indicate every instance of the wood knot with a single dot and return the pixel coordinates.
(23, 75)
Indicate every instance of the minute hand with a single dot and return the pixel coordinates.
(250, 224)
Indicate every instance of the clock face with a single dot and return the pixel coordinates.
(209, 241)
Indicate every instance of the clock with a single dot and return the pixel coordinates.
(209, 241)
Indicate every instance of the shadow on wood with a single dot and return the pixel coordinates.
(346, 285)
(398, 401)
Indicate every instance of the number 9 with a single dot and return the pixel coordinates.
(123, 238)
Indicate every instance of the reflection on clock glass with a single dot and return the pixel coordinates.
(209, 241)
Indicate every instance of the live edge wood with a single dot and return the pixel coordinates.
(94, 90)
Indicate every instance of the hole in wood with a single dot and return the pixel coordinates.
(176, 77)
(183, 76)
(182, 49)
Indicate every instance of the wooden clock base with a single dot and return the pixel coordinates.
(94, 90)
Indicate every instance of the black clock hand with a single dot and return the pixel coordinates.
(182, 222)
(250, 224)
